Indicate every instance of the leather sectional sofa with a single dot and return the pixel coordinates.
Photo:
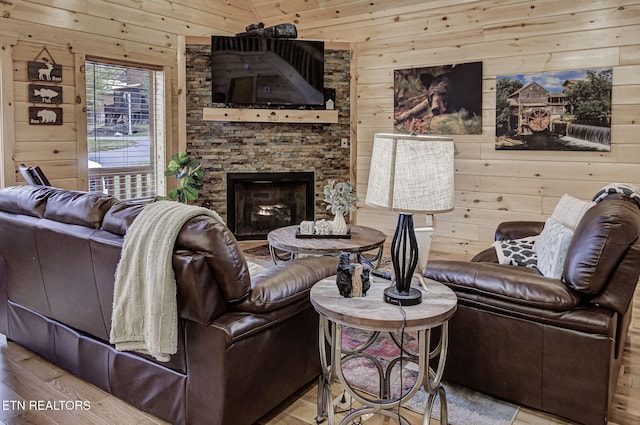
(553, 344)
(245, 343)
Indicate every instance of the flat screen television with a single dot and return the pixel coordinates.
(267, 72)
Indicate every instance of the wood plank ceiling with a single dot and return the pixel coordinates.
(355, 20)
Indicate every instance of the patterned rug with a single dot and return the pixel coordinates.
(261, 251)
(465, 407)
(258, 255)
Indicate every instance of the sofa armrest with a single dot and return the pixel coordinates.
(518, 285)
(287, 283)
(509, 230)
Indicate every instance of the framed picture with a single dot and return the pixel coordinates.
(443, 99)
(563, 110)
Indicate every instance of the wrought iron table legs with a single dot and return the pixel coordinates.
(331, 338)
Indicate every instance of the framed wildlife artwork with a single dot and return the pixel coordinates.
(444, 99)
(562, 110)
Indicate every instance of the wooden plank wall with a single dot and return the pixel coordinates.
(509, 37)
(144, 32)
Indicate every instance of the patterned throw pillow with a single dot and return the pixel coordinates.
(551, 247)
(517, 252)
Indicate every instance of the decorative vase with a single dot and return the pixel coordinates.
(339, 225)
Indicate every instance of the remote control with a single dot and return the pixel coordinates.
(381, 273)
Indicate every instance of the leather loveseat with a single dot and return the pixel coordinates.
(553, 344)
(245, 343)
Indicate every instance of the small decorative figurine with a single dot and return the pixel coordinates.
(366, 278)
(306, 227)
(356, 280)
(343, 275)
(323, 227)
(353, 280)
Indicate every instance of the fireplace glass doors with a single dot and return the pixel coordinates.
(260, 202)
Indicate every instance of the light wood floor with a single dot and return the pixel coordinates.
(26, 377)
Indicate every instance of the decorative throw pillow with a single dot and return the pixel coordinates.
(551, 247)
(517, 252)
(569, 211)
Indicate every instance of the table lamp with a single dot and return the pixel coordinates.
(409, 174)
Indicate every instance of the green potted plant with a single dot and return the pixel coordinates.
(188, 171)
(341, 200)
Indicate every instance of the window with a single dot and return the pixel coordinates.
(125, 129)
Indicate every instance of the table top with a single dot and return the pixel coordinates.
(362, 239)
(373, 313)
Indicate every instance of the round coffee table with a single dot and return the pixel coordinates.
(373, 314)
(362, 239)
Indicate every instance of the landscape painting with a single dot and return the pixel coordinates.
(443, 99)
(563, 110)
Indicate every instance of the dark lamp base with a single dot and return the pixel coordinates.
(393, 296)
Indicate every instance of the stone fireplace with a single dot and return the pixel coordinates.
(260, 202)
(239, 148)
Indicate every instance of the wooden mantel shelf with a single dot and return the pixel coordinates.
(270, 115)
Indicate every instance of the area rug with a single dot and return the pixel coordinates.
(465, 407)
(258, 255)
(260, 251)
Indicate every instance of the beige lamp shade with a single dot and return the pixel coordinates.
(411, 173)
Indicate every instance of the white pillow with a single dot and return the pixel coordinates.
(551, 247)
(570, 210)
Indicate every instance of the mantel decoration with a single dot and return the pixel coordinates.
(188, 171)
(409, 174)
(341, 200)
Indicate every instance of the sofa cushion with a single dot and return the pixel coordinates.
(551, 247)
(517, 285)
(81, 208)
(27, 200)
(120, 216)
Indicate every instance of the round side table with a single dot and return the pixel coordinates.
(372, 313)
(362, 239)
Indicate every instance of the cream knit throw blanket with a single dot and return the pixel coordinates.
(145, 316)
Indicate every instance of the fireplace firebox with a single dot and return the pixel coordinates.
(260, 202)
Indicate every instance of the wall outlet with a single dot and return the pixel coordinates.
(429, 220)
(344, 142)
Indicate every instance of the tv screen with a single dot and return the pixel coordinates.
(259, 71)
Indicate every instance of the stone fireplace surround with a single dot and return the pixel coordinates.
(248, 147)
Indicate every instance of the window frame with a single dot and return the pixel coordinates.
(159, 130)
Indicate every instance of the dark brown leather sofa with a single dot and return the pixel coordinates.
(245, 344)
(552, 344)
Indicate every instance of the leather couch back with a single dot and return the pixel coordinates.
(61, 248)
(47, 254)
(603, 259)
(210, 269)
